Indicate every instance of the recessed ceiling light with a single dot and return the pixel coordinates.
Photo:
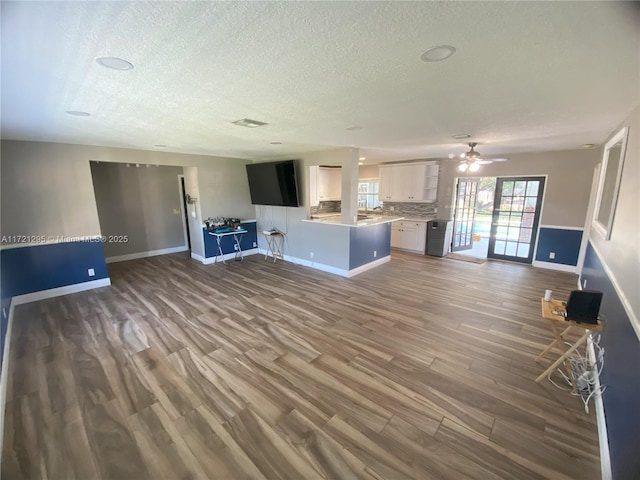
(588, 145)
(360, 163)
(114, 63)
(363, 158)
(461, 136)
(247, 122)
(276, 143)
(437, 53)
(160, 145)
(354, 127)
(78, 113)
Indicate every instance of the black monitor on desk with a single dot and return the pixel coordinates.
(583, 306)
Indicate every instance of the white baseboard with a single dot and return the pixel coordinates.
(151, 253)
(369, 266)
(5, 371)
(603, 437)
(57, 292)
(328, 268)
(561, 267)
(227, 256)
(197, 257)
(308, 263)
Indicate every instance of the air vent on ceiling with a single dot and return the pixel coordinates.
(247, 122)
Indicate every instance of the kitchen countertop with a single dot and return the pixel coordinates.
(335, 219)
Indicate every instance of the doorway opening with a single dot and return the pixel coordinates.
(472, 216)
(497, 217)
(185, 212)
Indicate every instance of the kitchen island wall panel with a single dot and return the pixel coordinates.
(369, 244)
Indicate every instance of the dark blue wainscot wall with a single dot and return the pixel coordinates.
(247, 242)
(364, 241)
(43, 267)
(621, 373)
(4, 323)
(565, 244)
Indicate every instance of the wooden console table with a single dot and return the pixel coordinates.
(553, 310)
(275, 245)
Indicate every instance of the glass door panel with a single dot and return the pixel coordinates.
(464, 214)
(516, 216)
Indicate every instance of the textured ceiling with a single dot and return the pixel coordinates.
(527, 76)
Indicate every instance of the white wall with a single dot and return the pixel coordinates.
(567, 188)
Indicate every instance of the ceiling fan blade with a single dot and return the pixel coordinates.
(498, 159)
(484, 162)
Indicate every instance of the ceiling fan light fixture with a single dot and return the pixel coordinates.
(474, 167)
(463, 166)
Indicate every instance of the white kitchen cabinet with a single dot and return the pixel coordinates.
(410, 236)
(409, 182)
(329, 184)
(324, 184)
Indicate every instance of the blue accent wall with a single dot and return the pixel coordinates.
(246, 242)
(42, 267)
(4, 323)
(364, 241)
(621, 373)
(565, 244)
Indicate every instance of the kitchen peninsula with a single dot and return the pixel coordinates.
(364, 220)
(362, 245)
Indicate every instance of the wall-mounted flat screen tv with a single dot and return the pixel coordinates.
(273, 183)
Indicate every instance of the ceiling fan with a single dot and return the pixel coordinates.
(472, 159)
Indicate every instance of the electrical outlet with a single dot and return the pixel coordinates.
(375, 253)
(193, 214)
(176, 211)
(552, 255)
(310, 254)
(255, 244)
(91, 272)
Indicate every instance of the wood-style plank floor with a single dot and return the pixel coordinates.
(422, 368)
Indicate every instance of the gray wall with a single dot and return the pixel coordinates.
(329, 243)
(141, 203)
(621, 254)
(567, 189)
(47, 188)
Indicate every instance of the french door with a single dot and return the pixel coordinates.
(516, 215)
(464, 214)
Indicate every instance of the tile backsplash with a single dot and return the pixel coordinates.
(327, 207)
(415, 210)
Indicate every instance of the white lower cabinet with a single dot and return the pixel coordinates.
(411, 236)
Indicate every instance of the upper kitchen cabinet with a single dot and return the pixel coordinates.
(325, 184)
(416, 182)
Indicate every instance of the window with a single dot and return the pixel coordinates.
(368, 194)
(609, 183)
